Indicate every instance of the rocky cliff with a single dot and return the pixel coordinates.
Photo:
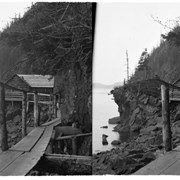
(140, 117)
(140, 110)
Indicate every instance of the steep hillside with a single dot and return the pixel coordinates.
(163, 61)
(56, 39)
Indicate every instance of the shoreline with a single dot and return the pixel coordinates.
(133, 153)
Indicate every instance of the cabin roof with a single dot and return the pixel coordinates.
(34, 80)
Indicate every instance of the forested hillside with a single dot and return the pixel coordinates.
(56, 39)
(163, 61)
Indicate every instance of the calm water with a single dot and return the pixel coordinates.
(103, 109)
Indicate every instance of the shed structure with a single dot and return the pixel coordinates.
(39, 89)
(175, 93)
(43, 85)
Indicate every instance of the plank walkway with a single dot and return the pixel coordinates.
(168, 164)
(22, 157)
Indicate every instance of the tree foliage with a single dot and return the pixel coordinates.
(163, 61)
(54, 35)
(56, 38)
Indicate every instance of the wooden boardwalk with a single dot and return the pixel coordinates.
(22, 157)
(168, 164)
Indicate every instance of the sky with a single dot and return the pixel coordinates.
(9, 10)
(127, 26)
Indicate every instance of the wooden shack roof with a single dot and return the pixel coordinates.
(38, 81)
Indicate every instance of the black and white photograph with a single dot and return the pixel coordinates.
(46, 88)
(136, 80)
(89, 88)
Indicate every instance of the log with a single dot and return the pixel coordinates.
(166, 118)
(54, 121)
(24, 116)
(68, 164)
(3, 128)
(72, 136)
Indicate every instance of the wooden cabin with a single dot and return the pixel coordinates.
(174, 94)
(43, 85)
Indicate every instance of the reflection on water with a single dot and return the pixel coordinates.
(103, 109)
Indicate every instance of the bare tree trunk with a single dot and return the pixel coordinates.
(3, 128)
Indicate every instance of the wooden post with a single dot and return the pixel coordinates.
(74, 147)
(24, 116)
(55, 105)
(166, 118)
(52, 107)
(3, 128)
(36, 110)
(49, 102)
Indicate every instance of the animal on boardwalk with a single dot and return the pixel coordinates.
(62, 146)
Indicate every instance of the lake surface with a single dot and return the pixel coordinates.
(103, 109)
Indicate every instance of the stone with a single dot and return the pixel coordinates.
(116, 142)
(136, 156)
(176, 128)
(124, 129)
(135, 128)
(146, 100)
(177, 116)
(117, 163)
(114, 120)
(133, 116)
(135, 152)
(104, 139)
(149, 109)
(148, 157)
(104, 127)
(148, 130)
(152, 100)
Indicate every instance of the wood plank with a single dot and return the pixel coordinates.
(64, 157)
(44, 140)
(67, 156)
(174, 99)
(73, 136)
(7, 157)
(27, 143)
(174, 169)
(22, 165)
(159, 165)
(54, 122)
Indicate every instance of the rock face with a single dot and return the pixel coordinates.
(114, 120)
(105, 127)
(139, 106)
(116, 142)
(104, 139)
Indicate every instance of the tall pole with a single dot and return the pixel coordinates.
(3, 128)
(127, 59)
(166, 118)
(55, 105)
(24, 116)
